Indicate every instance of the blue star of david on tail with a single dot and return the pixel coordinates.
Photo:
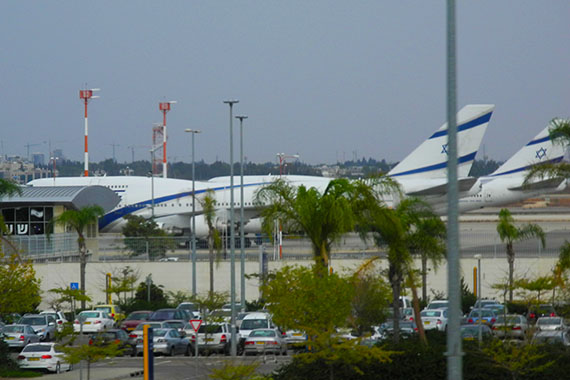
(444, 149)
(540, 153)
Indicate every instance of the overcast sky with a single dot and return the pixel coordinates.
(323, 79)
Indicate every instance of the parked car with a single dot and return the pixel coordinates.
(43, 325)
(551, 337)
(295, 338)
(46, 356)
(114, 311)
(177, 324)
(407, 314)
(487, 316)
(19, 336)
(516, 326)
(220, 315)
(437, 304)
(137, 333)
(484, 303)
(168, 342)
(165, 314)
(386, 329)
(498, 308)
(117, 336)
(133, 319)
(90, 321)
(214, 337)
(544, 310)
(239, 318)
(471, 332)
(192, 308)
(59, 317)
(551, 323)
(434, 319)
(254, 321)
(261, 341)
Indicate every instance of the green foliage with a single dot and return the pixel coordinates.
(123, 282)
(304, 299)
(230, 371)
(539, 285)
(176, 297)
(91, 353)
(158, 299)
(371, 297)
(519, 360)
(70, 296)
(6, 361)
(143, 235)
(19, 286)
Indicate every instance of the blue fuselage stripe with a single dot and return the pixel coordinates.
(468, 125)
(522, 169)
(460, 160)
(541, 140)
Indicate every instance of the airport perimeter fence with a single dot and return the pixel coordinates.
(64, 247)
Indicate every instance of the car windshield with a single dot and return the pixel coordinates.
(160, 332)
(37, 348)
(163, 314)
(210, 329)
(548, 321)
(251, 324)
(138, 316)
(13, 329)
(53, 315)
(33, 321)
(106, 309)
(188, 306)
(511, 319)
(89, 314)
(485, 313)
(431, 313)
(263, 333)
(437, 305)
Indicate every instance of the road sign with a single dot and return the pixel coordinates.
(195, 323)
(74, 286)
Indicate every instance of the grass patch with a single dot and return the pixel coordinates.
(18, 373)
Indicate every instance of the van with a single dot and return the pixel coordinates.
(254, 321)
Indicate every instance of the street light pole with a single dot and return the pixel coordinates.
(232, 235)
(87, 95)
(241, 218)
(193, 131)
(478, 257)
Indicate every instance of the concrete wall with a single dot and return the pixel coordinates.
(175, 276)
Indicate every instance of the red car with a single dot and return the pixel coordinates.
(133, 319)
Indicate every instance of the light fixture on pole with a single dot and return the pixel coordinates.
(232, 235)
(241, 218)
(193, 232)
(87, 95)
(478, 257)
(164, 107)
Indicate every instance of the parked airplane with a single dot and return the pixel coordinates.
(505, 185)
(421, 173)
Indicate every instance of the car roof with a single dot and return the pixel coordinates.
(257, 315)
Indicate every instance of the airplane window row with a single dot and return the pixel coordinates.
(117, 186)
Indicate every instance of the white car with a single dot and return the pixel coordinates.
(437, 304)
(434, 319)
(60, 319)
(215, 337)
(91, 321)
(43, 356)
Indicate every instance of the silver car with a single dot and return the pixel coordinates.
(434, 319)
(516, 326)
(261, 341)
(137, 333)
(551, 337)
(43, 325)
(550, 323)
(167, 342)
(19, 335)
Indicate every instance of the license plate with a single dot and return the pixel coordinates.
(10, 338)
(86, 323)
(259, 342)
(297, 334)
(33, 359)
(426, 322)
(209, 339)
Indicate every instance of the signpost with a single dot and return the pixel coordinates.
(196, 323)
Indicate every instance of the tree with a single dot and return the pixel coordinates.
(323, 217)
(78, 220)
(371, 297)
(91, 353)
(67, 295)
(509, 234)
(19, 286)
(144, 236)
(123, 282)
(214, 241)
(538, 285)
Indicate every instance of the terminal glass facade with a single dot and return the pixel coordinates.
(25, 221)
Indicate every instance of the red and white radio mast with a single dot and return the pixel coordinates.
(164, 107)
(86, 95)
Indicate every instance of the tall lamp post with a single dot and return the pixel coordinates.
(232, 235)
(478, 257)
(242, 238)
(193, 132)
(53, 160)
(152, 150)
(87, 95)
(164, 107)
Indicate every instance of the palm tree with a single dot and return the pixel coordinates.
(509, 234)
(560, 134)
(78, 220)
(214, 241)
(323, 217)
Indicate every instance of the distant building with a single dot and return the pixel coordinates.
(58, 154)
(38, 159)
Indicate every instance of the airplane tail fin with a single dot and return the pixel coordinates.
(539, 150)
(429, 160)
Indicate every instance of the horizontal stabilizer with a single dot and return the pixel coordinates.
(550, 183)
(463, 184)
